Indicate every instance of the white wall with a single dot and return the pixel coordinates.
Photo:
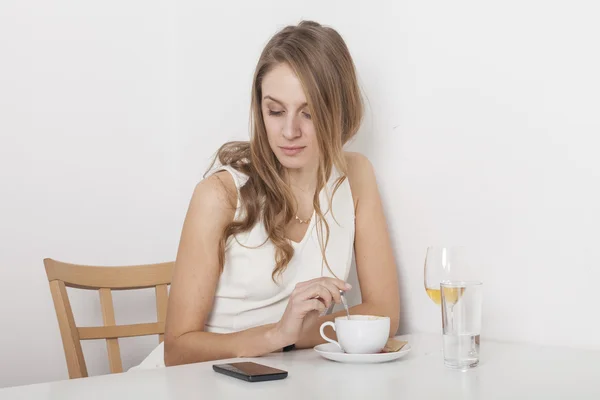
(481, 124)
(88, 164)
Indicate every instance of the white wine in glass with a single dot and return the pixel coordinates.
(445, 264)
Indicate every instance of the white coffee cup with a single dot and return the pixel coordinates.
(361, 334)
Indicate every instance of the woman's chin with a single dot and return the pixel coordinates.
(292, 165)
(292, 162)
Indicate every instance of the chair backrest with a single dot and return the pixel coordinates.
(105, 280)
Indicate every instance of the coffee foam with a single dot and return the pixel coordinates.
(364, 318)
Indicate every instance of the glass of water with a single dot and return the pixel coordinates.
(461, 322)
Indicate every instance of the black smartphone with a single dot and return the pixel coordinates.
(250, 371)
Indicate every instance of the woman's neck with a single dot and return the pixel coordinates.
(304, 179)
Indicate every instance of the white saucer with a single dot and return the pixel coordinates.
(332, 352)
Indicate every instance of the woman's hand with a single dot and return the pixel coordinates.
(306, 302)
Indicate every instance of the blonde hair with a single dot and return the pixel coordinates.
(320, 59)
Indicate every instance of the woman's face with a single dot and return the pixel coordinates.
(290, 130)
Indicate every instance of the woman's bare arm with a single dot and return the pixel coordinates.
(375, 263)
(195, 280)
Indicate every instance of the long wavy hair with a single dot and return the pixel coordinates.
(320, 59)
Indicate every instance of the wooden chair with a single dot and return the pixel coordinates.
(104, 279)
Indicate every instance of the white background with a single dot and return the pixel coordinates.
(482, 123)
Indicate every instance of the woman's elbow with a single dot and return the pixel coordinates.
(394, 324)
(171, 356)
(394, 314)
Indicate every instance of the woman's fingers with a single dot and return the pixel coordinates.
(310, 296)
(313, 305)
(318, 290)
(340, 284)
(334, 290)
(324, 291)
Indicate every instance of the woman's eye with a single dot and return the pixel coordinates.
(307, 115)
(275, 113)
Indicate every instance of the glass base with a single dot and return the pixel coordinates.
(462, 365)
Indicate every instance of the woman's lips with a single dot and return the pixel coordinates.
(291, 150)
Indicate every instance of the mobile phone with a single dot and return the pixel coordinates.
(250, 371)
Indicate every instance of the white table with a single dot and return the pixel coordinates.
(506, 371)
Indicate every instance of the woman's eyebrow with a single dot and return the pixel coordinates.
(267, 97)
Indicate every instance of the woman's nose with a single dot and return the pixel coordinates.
(291, 129)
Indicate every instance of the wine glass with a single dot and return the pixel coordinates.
(445, 264)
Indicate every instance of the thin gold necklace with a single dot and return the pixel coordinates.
(302, 221)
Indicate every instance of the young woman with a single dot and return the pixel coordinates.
(268, 239)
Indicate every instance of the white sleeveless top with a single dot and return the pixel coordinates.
(246, 295)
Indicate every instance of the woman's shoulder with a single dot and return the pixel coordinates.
(356, 160)
(216, 193)
(360, 173)
(360, 169)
